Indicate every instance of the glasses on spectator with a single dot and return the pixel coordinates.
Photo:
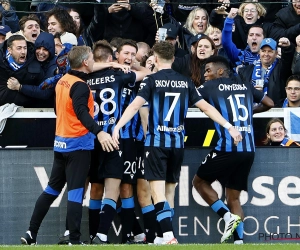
(296, 89)
(251, 10)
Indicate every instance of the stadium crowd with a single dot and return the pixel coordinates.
(259, 40)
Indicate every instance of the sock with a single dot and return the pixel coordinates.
(220, 208)
(41, 208)
(149, 216)
(107, 214)
(94, 216)
(163, 216)
(136, 229)
(159, 232)
(127, 218)
(238, 233)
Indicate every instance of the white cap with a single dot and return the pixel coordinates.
(68, 38)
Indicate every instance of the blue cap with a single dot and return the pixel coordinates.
(269, 42)
(4, 29)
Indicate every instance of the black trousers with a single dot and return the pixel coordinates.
(73, 168)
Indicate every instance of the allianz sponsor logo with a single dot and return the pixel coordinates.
(173, 84)
(60, 144)
(111, 121)
(232, 87)
(170, 129)
(243, 129)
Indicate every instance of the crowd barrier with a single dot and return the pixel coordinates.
(271, 204)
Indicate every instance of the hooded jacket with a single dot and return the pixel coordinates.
(30, 73)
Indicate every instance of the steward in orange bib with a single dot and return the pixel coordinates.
(74, 140)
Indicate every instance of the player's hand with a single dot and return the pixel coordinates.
(236, 135)
(115, 135)
(106, 142)
(124, 68)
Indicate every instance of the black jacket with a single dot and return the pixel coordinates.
(288, 20)
(278, 77)
(30, 73)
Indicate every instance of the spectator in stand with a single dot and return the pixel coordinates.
(196, 23)
(215, 34)
(172, 36)
(123, 19)
(269, 70)
(29, 27)
(45, 55)
(4, 30)
(277, 135)
(192, 65)
(288, 19)
(91, 33)
(292, 89)
(240, 57)
(296, 60)
(8, 16)
(18, 62)
(243, 18)
(59, 21)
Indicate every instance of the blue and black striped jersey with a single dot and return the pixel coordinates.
(234, 100)
(168, 94)
(106, 86)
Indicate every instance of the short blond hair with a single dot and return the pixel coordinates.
(259, 7)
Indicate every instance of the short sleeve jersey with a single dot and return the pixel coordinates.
(106, 86)
(234, 100)
(168, 94)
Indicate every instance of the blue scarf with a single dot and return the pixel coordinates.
(285, 103)
(14, 66)
(256, 74)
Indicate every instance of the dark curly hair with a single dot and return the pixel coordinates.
(63, 17)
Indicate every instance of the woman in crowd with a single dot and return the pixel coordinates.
(249, 13)
(192, 65)
(94, 31)
(277, 135)
(196, 23)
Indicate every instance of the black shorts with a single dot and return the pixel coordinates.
(105, 164)
(231, 169)
(140, 169)
(129, 158)
(163, 163)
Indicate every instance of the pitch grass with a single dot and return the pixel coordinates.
(274, 246)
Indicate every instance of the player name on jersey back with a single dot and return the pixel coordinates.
(172, 83)
(101, 80)
(232, 87)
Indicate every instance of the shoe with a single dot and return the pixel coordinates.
(28, 239)
(76, 243)
(170, 242)
(63, 240)
(238, 242)
(158, 240)
(230, 226)
(97, 241)
(139, 238)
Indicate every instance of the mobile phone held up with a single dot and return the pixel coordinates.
(160, 6)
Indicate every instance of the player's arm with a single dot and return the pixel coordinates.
(214, 114)
(140, 72)
(105, 65)
(144, 113)
(265, 104)
(130, 111)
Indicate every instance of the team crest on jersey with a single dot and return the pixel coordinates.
(112, 120)
(147, 153)
(120, 153)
